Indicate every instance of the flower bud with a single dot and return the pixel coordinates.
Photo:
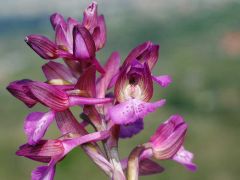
(20, 90)
(42, 46)
(90, 16)
(83, 44)
(168, 138)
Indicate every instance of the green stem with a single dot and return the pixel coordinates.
(133, 162)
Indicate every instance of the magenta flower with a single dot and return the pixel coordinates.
(74, 41)
(52, 151)
(114, 102)
(168, 138)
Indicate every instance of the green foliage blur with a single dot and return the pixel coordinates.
(200, 49)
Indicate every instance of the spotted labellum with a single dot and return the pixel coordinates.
(114, 98)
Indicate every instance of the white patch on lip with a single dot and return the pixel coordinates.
(132, 92)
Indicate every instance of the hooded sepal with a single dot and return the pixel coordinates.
(144, 53)
(168, 138)
(134, 82)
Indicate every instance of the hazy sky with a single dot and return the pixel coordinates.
(74, 7)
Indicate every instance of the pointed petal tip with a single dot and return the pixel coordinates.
(163, 80)
(44, 47)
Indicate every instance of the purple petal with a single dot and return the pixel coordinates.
(163, 80)
(49, 95)
(87, 81)
(36, 124)
(43, 151)
(167, 128)
(149, 167)
(146, 84)
(67, 123)
(57, 19)
(185, 158)
(169, 137)
(61, 38)
(44, 173)
(137, 51)
(20, 90)
(77, 100)
(84, 46)
(151, 56)
(100, 33)
(53, 70)
(132, 110)
(42, 46)
(111, 69)
(129, 130)
(90, 16)
(71, 23)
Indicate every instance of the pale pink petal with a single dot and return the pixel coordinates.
(131, 110)
(163, 80)
(36, 124)
(185, 158)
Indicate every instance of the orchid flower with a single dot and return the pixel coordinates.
(165, 143)
(52, 151)
(133, 90)
(114, 102)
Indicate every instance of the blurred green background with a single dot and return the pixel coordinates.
(200, 49)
